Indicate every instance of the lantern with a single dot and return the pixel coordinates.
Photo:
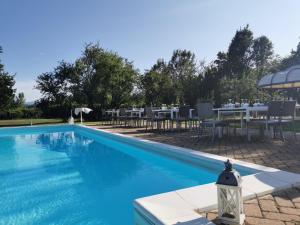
(230, 200)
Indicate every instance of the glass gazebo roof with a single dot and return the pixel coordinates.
(289, 78)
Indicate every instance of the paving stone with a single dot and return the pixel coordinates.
(281, 216)
(291, 211)
(290, 223)
(261, 221)
(252, 201)
(282, 201)
(252, 210)
(297, 205)
(267, 197)
(268, 205)
(211, 216)
(294, 195)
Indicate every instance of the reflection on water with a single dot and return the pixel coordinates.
(62, 178)
(81, 178)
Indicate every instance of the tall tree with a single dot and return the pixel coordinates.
(291, 60)
(7, 91)
(106, 78)
(157, 85)
(262, 54)
(55, 86)
(239, 53)
(182, 68)
(20, 100)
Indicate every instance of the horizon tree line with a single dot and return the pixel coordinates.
(103, 79)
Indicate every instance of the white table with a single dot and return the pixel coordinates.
(113, 112)
(172, 112)
(241, 110)
(167, 111)
(135, 111)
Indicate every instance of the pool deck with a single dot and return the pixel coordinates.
(274, 200)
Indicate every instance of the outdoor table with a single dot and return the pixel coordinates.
(113, 112)
(167, 111)
(135, 111)
(241, 110)
(172, 111)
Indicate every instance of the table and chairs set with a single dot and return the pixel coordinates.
(206, 120)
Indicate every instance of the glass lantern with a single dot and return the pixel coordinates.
(230, 200)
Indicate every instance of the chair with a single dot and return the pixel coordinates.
(123, 117)
(183, 116)
(207, 120)
(151, 118)
(280, 113)
(105, 117)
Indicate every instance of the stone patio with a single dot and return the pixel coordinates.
(281, 208)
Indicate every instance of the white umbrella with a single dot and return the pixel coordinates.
(289, 78)
(80, 110)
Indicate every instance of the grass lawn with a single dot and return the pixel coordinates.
(26, 122)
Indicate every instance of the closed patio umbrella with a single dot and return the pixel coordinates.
(286, 79)
(80, 110)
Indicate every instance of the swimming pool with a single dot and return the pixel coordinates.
(74, 175)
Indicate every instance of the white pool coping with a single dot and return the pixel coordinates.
(182, 206)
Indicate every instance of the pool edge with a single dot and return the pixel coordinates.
(187, 202)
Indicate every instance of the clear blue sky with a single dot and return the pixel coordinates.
(35, 34)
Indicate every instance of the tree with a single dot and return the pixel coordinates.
(7, 91)
(1, 65)
(98, 77)
(242, 88)
(262, 54)
(239, 53)
(291, 60)
(157, 85)
(106, 78)
(182, 68)
(20, 100)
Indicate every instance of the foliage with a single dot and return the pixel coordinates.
(7, 91)
(103, 79)
(182, 69)
(20, 100)
(157, 85)
(238, 59)
(97, 77)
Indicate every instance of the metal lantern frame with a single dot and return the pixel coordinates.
(230, 202)
(230, 198)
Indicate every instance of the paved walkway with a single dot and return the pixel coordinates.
(281, 208)
(277, 209)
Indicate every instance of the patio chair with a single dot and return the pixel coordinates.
(105, 117)
(194, 119)
(280, 113)
(123, 117)
(133, 119)
(152, 119)
(183, 116)
(207, 120)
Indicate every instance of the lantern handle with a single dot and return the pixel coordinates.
(228, 165)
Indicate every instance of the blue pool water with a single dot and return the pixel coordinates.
(69, 175)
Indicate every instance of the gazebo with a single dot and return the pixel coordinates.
(286, 79)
